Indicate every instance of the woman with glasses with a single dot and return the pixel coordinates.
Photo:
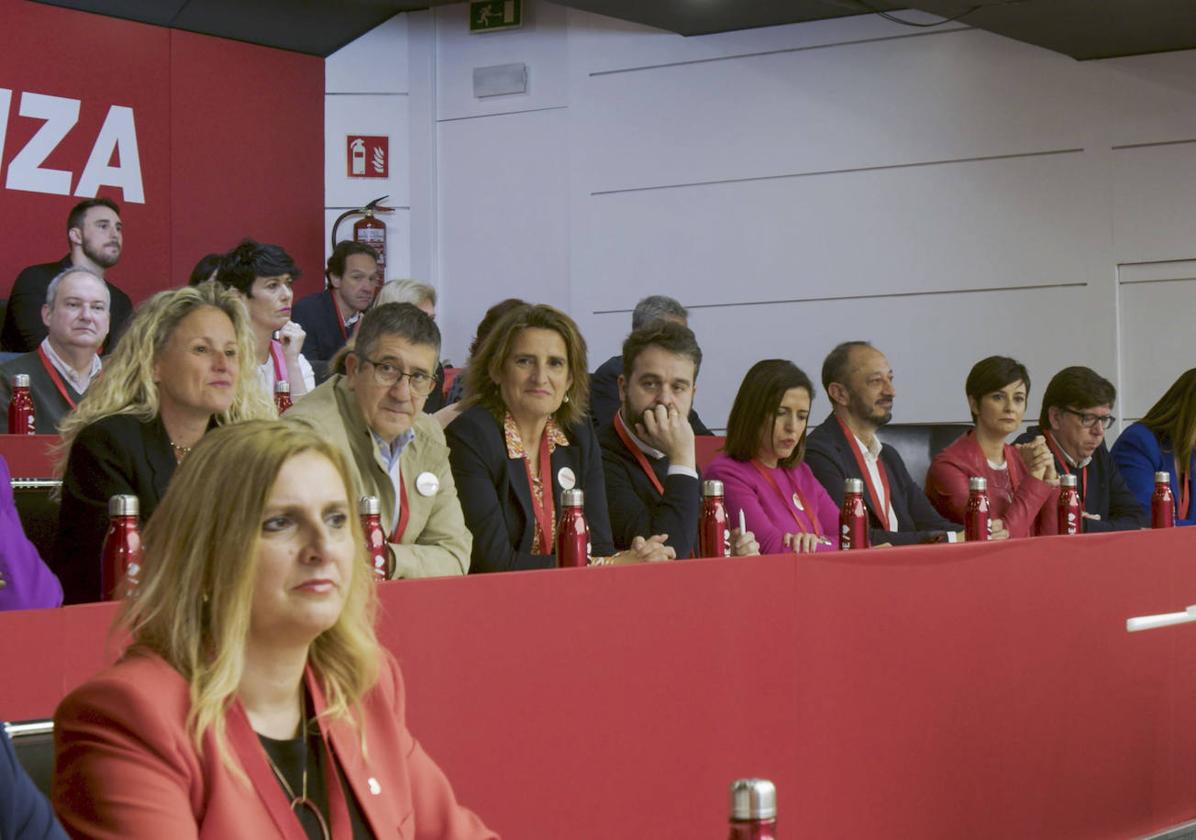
(1022, 483)
(525, 437)
(371, 408)
(253, 700)
(1077, 410)
(1164, 440)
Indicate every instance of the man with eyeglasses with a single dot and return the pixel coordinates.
(372, 408)
(1077, 409)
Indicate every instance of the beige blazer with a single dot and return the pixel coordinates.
(436, 542)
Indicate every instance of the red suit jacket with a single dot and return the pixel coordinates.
(126, 767)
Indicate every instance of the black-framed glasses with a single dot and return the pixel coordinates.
(388, 376)
(1088, 420)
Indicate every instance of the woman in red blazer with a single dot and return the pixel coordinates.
(254, 699)
(1022, 484)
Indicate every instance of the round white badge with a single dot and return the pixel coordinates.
(566, 478)
(427, 484)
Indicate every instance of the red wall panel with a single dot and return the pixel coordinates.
(192, 98)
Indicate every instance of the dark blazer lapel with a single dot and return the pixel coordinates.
(252, 755)
(517, 482)
(158, 454)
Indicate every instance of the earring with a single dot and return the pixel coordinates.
(566, 398)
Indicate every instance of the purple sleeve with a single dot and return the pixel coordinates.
(29, 584)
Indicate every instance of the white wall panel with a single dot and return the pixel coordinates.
(374, 63)
(1147, 98)
(1158, 313)
(540, 44)
(1154, 202)
(504, 217)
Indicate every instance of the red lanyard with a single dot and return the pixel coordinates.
(799, 501)
(404, 513)
(1057, 451)
(1184, 481)
(640, 457)
(544, 508)
(340, 319)
(55, 377)
(882, 511)
(280, 367)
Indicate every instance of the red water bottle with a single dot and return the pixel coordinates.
(20, 407)
(282, 396)
(853, 516)
(753, 810)
(976, 524)
(1070, 513)
(120, 560)
(714, 530)
(381, 558)
(1162, 503)
(572, 533)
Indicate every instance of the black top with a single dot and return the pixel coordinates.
(114, 455)
(49, 406)
(604, 397)
(23, 329)
(497, 501)
(289, 757)
(636, 509)
(830, 457)
(1107, 496)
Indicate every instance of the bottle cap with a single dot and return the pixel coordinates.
(712, 487)
(20, 380)
(573, 498)
(1162, 478)
(282, 387)
(853, 485)
(977, 482)
(123, 506)
(753, 799)
(1067, 480)
(369, 506)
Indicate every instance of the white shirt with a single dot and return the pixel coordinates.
(656, 455)
(79, 383)
(391, 454)
(265, 375)
(872, 461)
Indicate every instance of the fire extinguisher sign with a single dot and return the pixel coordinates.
(368, 157)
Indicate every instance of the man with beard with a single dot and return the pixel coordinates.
(330, 316)
(65, 364)
(95, 238)
(859, 382)
(648, 453)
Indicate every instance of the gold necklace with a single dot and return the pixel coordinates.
(180, 452)
(301, 801)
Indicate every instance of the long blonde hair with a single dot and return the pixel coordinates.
(127, 385)
(194, 602)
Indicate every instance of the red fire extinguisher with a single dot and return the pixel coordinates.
(368, 229)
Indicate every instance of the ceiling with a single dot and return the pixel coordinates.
(1082, 29)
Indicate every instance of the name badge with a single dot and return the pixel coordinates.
(797, 502)
(566, 478)
(427, 484)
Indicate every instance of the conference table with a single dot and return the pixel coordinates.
(948, 691)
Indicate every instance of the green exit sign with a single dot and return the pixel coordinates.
(489, 15)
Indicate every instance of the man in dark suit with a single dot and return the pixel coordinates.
(95, 237)
(25, 813)
(604, 382)
(329, 317)
(859, 381)
(1077, 408)
(648, 455)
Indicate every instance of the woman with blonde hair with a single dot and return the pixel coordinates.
(524, 438)
(254, 699)
(178, 370)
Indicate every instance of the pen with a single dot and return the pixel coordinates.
(742, 523)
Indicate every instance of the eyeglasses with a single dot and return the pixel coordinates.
(387, 375)
(1089, 420)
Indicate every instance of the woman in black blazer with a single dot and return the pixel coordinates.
(184, 365)
(523, 439)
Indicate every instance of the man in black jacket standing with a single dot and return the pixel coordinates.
(96, 238)
(859, 381)
(1077, 408)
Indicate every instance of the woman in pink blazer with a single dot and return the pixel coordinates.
(763, 470)
(254, 699)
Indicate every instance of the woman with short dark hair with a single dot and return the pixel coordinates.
(763, 467)
(1022, 483)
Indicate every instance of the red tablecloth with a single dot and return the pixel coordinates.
(978, 691)
(29, 456)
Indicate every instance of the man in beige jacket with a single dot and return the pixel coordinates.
(373, 412)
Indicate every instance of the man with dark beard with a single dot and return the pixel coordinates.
(859, 382)
(95, 238)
